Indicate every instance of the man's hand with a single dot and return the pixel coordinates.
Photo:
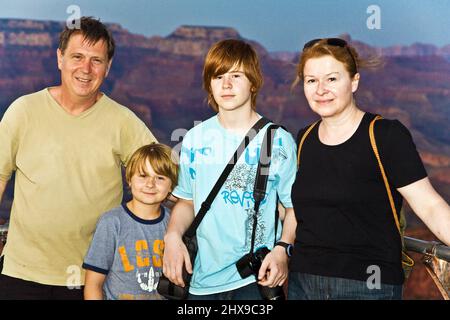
(274, 268)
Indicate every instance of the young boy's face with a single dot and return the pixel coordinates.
(232, 90)
(148, 187)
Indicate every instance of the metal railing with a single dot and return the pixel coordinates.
(436, 259)
(434, 248)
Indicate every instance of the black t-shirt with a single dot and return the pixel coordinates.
(345, 223)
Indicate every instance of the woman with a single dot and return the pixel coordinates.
(347, 243)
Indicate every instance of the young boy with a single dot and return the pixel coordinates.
(124, 260)
(232, 79)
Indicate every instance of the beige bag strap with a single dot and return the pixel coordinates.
(383, 173)
(300, 145)
(373, 142)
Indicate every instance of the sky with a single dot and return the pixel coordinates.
(279, 25)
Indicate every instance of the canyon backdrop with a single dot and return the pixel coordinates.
(159, 78)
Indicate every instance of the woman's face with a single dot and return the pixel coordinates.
(328, 86)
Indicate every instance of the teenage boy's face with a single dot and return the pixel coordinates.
(232, 90)
(148, 187)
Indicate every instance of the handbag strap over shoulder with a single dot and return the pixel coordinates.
(253, 132)
(406, 260)
(302, 140)
(373, 142)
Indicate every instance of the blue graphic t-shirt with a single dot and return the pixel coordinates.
(129, 251)
(224, 234)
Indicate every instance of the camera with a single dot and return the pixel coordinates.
(171, 291)
(250, 264)
(168, 289)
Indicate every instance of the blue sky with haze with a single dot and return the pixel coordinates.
(279, 25)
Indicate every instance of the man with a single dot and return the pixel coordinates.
(67, 145)
(232, 79)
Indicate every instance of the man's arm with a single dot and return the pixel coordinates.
(93, 288)
(175, 251)
(2, 189)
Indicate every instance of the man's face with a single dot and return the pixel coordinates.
(83, 67)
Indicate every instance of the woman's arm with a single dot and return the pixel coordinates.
(430, 207)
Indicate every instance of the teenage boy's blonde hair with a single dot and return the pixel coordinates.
(228, 54)
(161, 158)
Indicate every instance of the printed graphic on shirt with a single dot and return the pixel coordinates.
(260, 229)
(147, 266)
(251, 155)
(146, 280)
(238, 191)
(192, 153)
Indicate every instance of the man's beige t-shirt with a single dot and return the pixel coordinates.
(68, 172)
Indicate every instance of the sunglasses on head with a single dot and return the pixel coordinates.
(335, 42)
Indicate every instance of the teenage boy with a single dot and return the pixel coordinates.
(232, 79)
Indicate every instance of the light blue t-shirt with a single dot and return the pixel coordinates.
(224, 234)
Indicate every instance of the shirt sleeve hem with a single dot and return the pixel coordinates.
(416, 178)
(93, 268)
(182, 196)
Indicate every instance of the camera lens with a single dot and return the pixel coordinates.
(245, 266)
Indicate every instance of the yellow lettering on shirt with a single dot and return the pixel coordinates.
(158, 250)
(127, 267)
(140, 260)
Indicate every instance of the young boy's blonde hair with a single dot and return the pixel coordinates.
(225, 55)
(160, 156)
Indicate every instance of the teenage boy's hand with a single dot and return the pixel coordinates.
(274, 268)
(174, 259)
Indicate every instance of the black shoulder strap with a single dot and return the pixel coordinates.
(262, 175)
(215, 190)
(262, 172)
